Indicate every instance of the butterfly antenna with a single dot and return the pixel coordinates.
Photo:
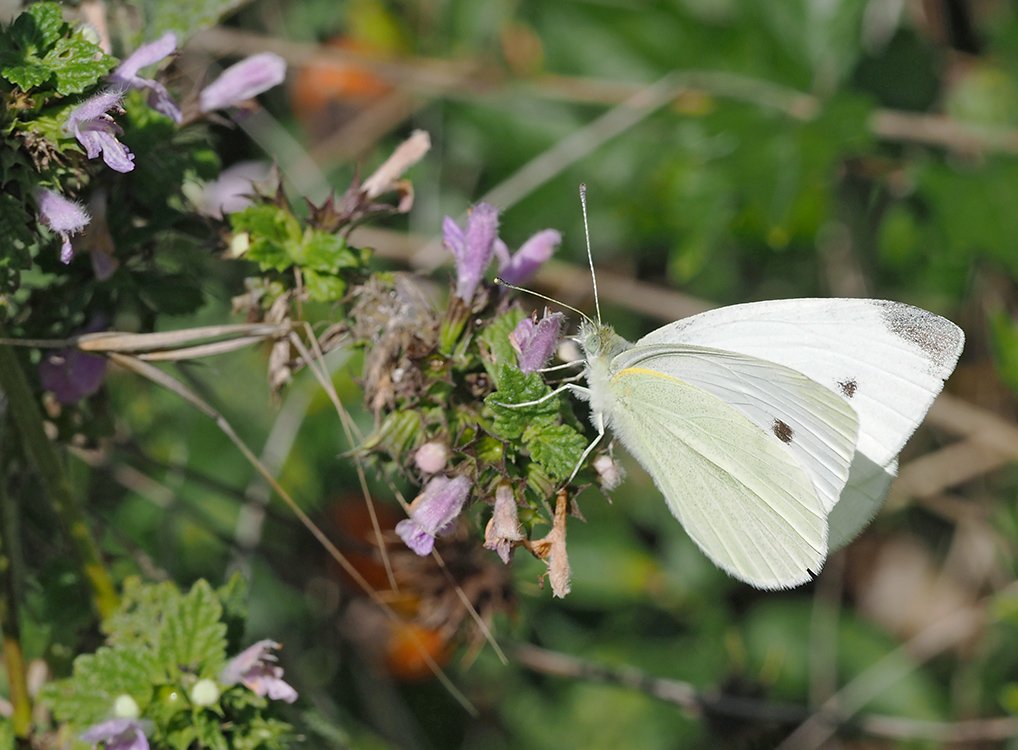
(503, 282)
(590, 255)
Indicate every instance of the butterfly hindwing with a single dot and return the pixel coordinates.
(739, 494)
(811, 422)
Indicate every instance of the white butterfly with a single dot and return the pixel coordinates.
(772, 428)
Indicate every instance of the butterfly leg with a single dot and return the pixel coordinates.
(599, 424)
(577, 389)
(574, 363)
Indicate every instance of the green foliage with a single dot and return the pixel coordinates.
(159, 644)
(277, 242)
(554, 446)
(39, 50)
(495, 340)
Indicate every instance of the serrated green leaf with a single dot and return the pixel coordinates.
(516, 387)
(78, 64)
(142, 606)
(495, 338)
(557, 448)
(324, 252)
(87, 697)
(273, 233)
(27, 74)
(324, 287)
(38, 28)
(192, 638)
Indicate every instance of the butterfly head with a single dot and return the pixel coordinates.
(599, 341)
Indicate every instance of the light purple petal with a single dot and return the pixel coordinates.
(93, 108)
(116, 155)
(501, 255)
(415, 537)
(59, 213)
(535, 344)
(234, 188)
(244, 80)
(255, 667)
(119, 734)
(97, 133)
(145, 55)
(160, 100)
(478, 247)
(534, 253)
(452, 237)
(434, 511)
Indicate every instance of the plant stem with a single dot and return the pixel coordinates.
(44, 457)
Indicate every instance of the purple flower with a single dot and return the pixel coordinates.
(503, 530)
(257, 669)
(233, 189)
(118, 734)
(524, 263)
(126, 74)
(243, 81)
(96, 131)
(433, 512)
(71, 374)
(472, 248)
(535, 342)
(65, 217)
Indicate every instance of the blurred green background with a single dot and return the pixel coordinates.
(791, 148)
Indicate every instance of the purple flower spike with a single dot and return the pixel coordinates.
(243, 81)
(472, 248)
(535, 342)
(119, 734)
(65, 217)
(71, 375)
(433, 512)
(524, 264)
(257, 669)
(97, 133)
(126, 74)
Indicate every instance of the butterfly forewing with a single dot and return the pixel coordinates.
(816, 426)
(887, 359)
(737, 491)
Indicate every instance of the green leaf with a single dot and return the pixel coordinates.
(495, 338)
(326, 252)
(516, 388)
(192, 638)
(273, 233)
(324, 287)
(557, 448)
(87, 697)
(38, 28)
(14, 228)
(135, 624)
(78, 64)
(27, 75)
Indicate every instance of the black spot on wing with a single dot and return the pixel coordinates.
(848, 387)
(938, 337)
(782, 431)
